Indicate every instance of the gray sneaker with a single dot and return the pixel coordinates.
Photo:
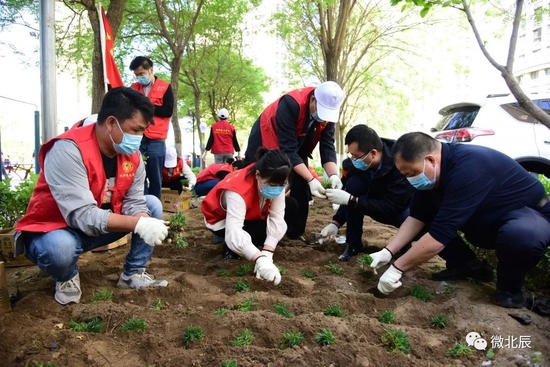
(140, 280)
(68, 291)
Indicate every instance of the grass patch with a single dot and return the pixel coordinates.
(282, 270)
(220, 311)
(308, 275)
(280, 309)
(242, 286)
(363, 260)
(387, 317)
(397, 341)
(244, 269)
(104, 295)
(157, 306)
(335, 269)
(134, 324)
(325, 337)
(95, 325)
(421, 293)
(229, 363)
(333, 310)
(244, 338)
(223, 273)
(246, 305)
(192, 334)
(291, 339)
(459, 350)
(439, 322)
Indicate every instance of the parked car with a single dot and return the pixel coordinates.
(500, 123)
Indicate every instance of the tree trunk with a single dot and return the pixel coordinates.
(175, 66)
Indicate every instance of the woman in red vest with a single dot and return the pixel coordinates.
(214, 173)
(223, 139)
(247, 209)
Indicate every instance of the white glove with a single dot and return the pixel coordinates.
(328, 231)
(152, 230)
(191, 185)
(317, 189)
(380, 259)
(389, 281)
(336, 182)
(265, 269)
(268, 254)
(203, 155)
(339, 197)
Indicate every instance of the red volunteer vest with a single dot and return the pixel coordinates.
(209, 173)
(159, 130)
(176, 172)
(242, 184)
(43, 214)
(268, 125)
(223, 137)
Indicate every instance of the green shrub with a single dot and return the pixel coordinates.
(459, 350)
(104, 295)
(333, 310)
(95, 325)
(291, 339)
(244, 338)
(308, 274)
(192, 334)
(134, 324)
(280, 309)
(244, 269)
(325, 337)
(439, 322)
(335, 269)
(397, 341)
(421, 293)
(14, 201)
(242, 286)
(387, 317)
(365, 259)
(177, 222)
(196, 170)
(157, 306)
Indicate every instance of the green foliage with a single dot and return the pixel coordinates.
(491, 354)
(242, 286)
(184, 182)
(387, 317)
(308, 274)
(246, 305)
(282, 270)
(244, 338)
(157, 306)
(325, 337)
(291, 339)
(134, 324)
(229, 363)
(364, 259)
(196, 170)
(537, 358)
(335, 269)
(180, 242)
(220, 311)
(223, 273)
(326, 184)
(103, 295)
(459, 350)
(319, 170)
(439, 322)
(545, 182)
(192, 334)
(177, 222)
(244, 269)
(426, 5)
(95, 325)
(36, 364)
(333, 310)
(14, 201)
(397, 341)
(421, 293)
(280, 309)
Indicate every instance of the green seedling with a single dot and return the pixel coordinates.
(180, 242)
(335, 269)
(220, 311)
(104, 295)
(320, 211)
(244, 269)
(280, 309)
(420, 293)
(18, 274)
(397, 341)
(184, 182)
(95, 325)
(387, 317)
(36, 364)
(242, 286)
(537, 358)
(325, 337)
(439, 322)
(308, 275)
(157, 306)
(282, 270)
(459, 350)
(365, 259)
(333, 310)
(192, 334)
(246, 305)
(134, 324)
(244, 338)
(177, 222)
(326, 184)
(436, 268)
(291, 339)
(229, 363)
(491, 354)
(223, 273)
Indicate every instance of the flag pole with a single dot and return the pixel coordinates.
(103, 46)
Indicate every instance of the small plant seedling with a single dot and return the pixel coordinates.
(184, 182)
(397, 341)
(229, 363)
(177, 222)
(18, 274)
(335, 269)
(95, 325)
(104, 295)
(246, 305)
(180, 242)
(282, 270)
(326, 184)
(244, 338)
(280, 309)
(134, 324)
(333, 310)
(36, 364)
(491, 354)
(320, 211)
(448, 290)
(439, 322)
(223, 273)
(325, 337)
(459, 350)
(292, 338)
(244, 269)
(387, 317)
(220, 311)
(308, 275)
(420, 293)
(537, 358)
(157, 306)
(363, 260)
(192, 334)
(242, 286)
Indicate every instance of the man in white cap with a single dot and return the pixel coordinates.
(223, 139)
(295, 123)
(176, 170)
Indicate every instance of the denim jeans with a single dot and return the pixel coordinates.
(203, 188)
(155, 151)
(56, 253)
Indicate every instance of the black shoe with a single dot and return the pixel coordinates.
(476, 269)
(227, 254)
(217, 239)
(350, 252)
(509, 300)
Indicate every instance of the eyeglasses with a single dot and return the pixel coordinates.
(358, 158)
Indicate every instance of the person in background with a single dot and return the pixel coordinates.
(175, 171)
(90, 193)
(295, 123)
(214, 173)
(3, 164)
(247, 209)
(222, 140)
(153, 143)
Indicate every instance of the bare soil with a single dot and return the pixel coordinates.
(196, 289)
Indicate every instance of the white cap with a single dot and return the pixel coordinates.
(329, 98)
(223, 113)
(90, 120)
(171, 159)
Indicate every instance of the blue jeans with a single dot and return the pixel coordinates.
(203, 188)
(56, 253)
(155, 151)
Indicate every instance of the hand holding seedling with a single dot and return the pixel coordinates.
(152, 230)
(380, 258)
(316, 188)
(390, 280)
(265, 269)
(335, 182)
(339, 197)
(328, 232)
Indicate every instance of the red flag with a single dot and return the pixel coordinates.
(110, 70)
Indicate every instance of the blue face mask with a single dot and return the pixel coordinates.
(316, 117)
(271, 192)
(360, 164)
(421, 181)
(129, 144)
(143, 80)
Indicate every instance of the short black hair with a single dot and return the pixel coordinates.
(273, 165)
(238, 164)
(142, 61)
(123, 103)
(413, 147)
(366, 138)
(229, 160)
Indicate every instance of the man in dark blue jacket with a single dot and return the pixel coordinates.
(479, 191)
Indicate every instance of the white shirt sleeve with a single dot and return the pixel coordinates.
(276, 225)
(188, 174)
(236, 238)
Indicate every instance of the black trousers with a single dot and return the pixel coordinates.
(299, 191)
(174, 185)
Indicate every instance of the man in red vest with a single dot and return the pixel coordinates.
(223, 139)
(152, 145)
(90, 193)
(295, 123)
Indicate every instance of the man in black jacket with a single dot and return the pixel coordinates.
(373, 187)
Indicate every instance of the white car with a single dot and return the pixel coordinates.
(500, 123)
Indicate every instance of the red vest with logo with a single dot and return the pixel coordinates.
(159, 130)
(175, 174)
(209, 173)
(243, 184)
(268, 125)
(43, 214)
(223, 137)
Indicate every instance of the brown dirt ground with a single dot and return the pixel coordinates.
(196, 290)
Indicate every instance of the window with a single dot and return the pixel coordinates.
(547, 71)
(520, 79)
(517, 112)
(537, 33)
(534, 74)
(458, 118)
